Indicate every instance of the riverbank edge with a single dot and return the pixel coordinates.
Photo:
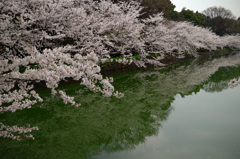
(113, 68)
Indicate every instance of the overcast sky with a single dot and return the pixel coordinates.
(200, 5)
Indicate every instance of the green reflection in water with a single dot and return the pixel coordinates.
(202, 126)
(109, 125)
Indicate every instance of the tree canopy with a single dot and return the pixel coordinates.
(189, 15)
(214, 12)
(151, 7)
(221, 21)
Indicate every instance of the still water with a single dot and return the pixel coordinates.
(187, 111)
(202, 126)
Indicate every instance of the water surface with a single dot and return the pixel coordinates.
(201, 126)
(183, 112)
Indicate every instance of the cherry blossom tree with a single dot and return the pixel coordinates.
(162, 36)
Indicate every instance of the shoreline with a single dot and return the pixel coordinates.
(113, 68)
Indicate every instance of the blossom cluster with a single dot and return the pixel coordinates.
(53, 66)
(8, 132)
(164, 36)
(18, 99)
(124, 61)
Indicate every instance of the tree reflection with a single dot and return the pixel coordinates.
(109, 124)
(222, 79)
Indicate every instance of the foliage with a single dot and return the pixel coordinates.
(188, 15)
(223, 26)
(221, 21)
(151, 7)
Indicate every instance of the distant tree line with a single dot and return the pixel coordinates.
(220, 20)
